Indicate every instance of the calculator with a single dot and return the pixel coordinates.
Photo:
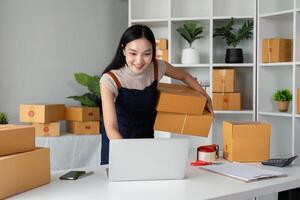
(279, 162)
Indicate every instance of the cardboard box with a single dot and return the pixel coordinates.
(276, 50)
(82, 114)
(161, 44)
(48, 129)
(42, 113)
(298, 101)
(196, 125)
(223, 80)
(83, 128)
(179, 99)
(246, 141)
(24, 171)
(162, 54)
(226, 101)
(16, 139)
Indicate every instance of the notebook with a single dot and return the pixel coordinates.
(243, 172)
(148, 159)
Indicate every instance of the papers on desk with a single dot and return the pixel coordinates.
(243, 172)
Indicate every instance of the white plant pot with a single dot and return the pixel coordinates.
(190, 56)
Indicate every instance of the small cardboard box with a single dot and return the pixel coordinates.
(179, 99)
(161, 44)
(83, 128)
(16, 139)
(82, 114)
(48, 129)
(162, 54)
(298, 100)
(223, 80)
(246, 141)
(227, 101)
(42, 113)
(24, 171)
(276, 50)
(196, 125)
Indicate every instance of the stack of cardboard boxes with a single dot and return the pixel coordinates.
(44, 117)
(224, 95)
(276, 50)
(246, 141)
(83, 120)
(162, 49)
(22, 165)
(182, 110)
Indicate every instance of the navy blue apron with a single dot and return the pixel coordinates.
(135, 113)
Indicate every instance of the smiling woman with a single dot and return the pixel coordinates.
(129, 85)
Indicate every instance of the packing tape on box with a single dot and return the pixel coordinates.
(183, 124)
(208, 153)
(269, 52)
(223, 74)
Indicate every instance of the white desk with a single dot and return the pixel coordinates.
(200, 184)
(72, 151)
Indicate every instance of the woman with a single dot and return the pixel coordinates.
(129, 84)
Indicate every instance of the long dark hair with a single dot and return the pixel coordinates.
(133, 32)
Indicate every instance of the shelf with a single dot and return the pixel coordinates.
(297, 116)
(235, 17)
(277, 14)
(233, 112)
(233, 65)
(156, 22)
(276, 64)
(189, 19)
(277, 114)
(191, 65)
(297, 63)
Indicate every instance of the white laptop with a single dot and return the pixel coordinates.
(148, 159)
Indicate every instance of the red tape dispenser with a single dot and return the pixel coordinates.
(206, 155)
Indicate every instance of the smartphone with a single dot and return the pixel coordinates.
(73, 175)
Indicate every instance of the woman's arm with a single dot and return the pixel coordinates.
(185, 77)
(109, 113)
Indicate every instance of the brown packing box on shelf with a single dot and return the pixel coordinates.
(196, 125)
(24, 171)
(48, 129)
(82, 114)
(16, 139)
(223, 80)
(83, 128)
(179, 99)
(276, 50)
(246, 141)
(298, 100)
(162, 54)
(42, 113)
(226, 101)
(161, 44)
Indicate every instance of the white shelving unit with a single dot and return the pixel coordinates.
(164, 17)
(279, 19)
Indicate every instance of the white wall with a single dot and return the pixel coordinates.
(43, 42)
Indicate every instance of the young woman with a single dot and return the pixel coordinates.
(128, 87)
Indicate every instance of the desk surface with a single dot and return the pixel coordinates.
(200, 184)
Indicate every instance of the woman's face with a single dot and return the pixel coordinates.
(138, 55)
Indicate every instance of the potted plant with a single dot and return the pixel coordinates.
(190, 31)
(233, 37)
(283, 97)
(91, 98)
(3, 118)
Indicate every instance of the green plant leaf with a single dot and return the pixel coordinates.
(190, 31)
(282, 95)
(82, 78)
(93, 85)
(3, 118)
(84, 100)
